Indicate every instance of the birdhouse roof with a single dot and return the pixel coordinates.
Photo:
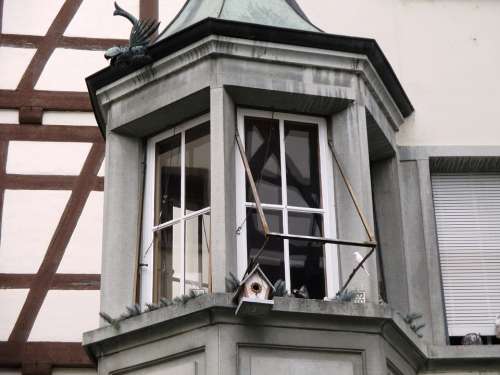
(262, 274)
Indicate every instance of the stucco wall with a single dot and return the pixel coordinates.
(445, 54)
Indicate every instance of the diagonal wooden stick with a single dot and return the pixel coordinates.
(367, 227)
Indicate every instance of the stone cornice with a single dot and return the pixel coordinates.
(111, 84)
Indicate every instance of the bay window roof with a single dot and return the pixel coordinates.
(276, 21)
(285, 13)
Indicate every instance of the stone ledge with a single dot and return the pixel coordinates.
(371, 318)
(287, 312)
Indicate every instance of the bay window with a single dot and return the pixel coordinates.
(176, 218)
(289, 160)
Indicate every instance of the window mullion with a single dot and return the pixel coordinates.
(183, 213)
(284, 199)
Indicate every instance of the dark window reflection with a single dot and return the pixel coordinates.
(307, 263)
(263, 152)
(272, 258)
(168, 179)
(197, 168)
(302, 164)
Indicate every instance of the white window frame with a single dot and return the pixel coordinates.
(327, 197)
(147, 268)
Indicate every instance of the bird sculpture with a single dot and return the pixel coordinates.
(141, 36)
(301, 293)
(359, 259)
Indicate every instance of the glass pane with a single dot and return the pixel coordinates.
(262, 148)
(302, 164)
(197, 253)
(307, 262)
(197, 168)
(169, 271)
(168, 180)
(272, 258)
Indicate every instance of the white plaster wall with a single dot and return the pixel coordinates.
(8, 371)
(94, 19)
(28, 17)
(67, 69)
(12, 301)
(83, 253)
(65, 315)
(69, 118)
(14, 61)
(102, 170)
(47, 158)
(445, 54)
(167, 10)
(29, 219)
(9, 116)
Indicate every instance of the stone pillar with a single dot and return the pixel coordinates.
(436, 300)
(122, 207)
(387, 206)
(421, 247)
(222, 187)
(349, 134)
(418, 277)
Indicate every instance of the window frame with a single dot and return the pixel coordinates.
(332, 274)
(147, 266)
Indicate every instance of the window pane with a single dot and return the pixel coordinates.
(272, 258)
(262, 148)
(197, 168)
(307, 261)
(168, 179)
(302, 164)
(169, 271)
(197, 252)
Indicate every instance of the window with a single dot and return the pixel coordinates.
(467, 207)
(292, 169)
(176, 220)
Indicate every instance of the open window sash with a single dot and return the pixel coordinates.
(323, 240)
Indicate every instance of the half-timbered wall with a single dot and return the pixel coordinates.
(52, 177)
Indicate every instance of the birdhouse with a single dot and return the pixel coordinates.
(254, 293)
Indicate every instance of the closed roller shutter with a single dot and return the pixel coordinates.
(467, 210)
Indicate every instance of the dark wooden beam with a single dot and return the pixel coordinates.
(36, 368)
(33, 41)
(48, 100)
(46, 182)
(76, 281)
(50, 133)
(55, 354)
(21, 41)
(95, 44)
(30, 115)
(61, 281)
(148, 9)
(44, 278)
(48, 44)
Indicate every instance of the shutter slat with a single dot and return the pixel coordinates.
(467, 208)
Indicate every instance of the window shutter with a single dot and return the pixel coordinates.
(467, 210)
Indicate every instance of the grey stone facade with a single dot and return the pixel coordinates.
(218, 74)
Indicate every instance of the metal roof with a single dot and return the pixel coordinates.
(279, 13)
